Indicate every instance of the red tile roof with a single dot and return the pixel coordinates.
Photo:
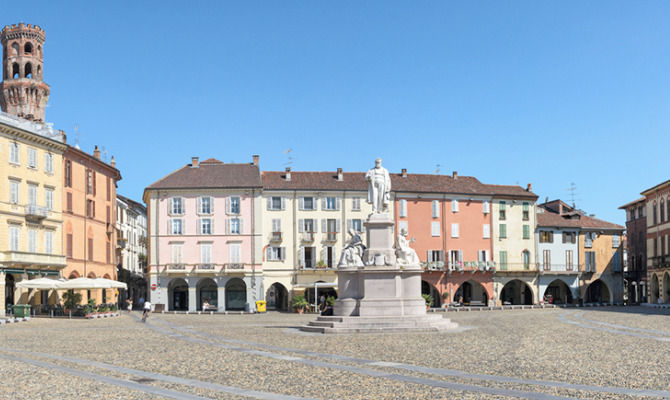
(571, 218)
(211, 173)
(638, 201)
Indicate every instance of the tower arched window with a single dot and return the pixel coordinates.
(39, 51)
(28, 48)
(15, 48)
(28, 72)
(39, 71)
(15, 71)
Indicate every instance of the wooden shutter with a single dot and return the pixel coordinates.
(69, 245)
(324, 225)
(429, 255)
(301, 225)
(228, 210)
(269, 203)
(349, 225)
(94, 183)
(227, 226)
(282, 253)
(283, 203)
(323, 203)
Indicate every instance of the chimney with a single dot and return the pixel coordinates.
(560, 208)
(288, 174)
(454, 175)
(255, 158)
(403, 172)
(194, 162)
(96, 152)
(113, 162)
(339, 174)
(529, 188)
(546, 199)
(62, 133)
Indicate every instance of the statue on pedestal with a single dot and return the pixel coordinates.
(405, 255)
(352, 254)
(379, 188)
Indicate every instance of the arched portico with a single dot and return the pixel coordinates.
(277, 297)
(471, 291)
(178, 295)
(559, 291)
(666, 287)
(207, 290)
(516, 292)
(427, 288)
(598, 292)
(236, 294)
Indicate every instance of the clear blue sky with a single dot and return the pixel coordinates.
(509, 92)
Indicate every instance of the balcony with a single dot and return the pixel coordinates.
(275, 237)
(20, 257)
(233, 267)
(516, 267)
(307, 237)
(331, 237)
(433, 265)
(472, 266)
(176, 268)
(35, 213)
(204, 268)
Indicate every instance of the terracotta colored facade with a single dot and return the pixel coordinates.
(658, 242)
(89, 218)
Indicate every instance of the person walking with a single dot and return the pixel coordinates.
(130, 305)
(147, 310)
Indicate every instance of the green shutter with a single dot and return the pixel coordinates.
(503, 260)
(525, 206)
(503, 230)
(526, 231)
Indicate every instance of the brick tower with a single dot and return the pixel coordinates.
(23, 92)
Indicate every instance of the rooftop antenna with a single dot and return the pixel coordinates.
(288, 157)
(572, 194)
(437, 168)
(76, 136)
(104, 154)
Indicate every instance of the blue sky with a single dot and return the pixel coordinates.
(509, 92)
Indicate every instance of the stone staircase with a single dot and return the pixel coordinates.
(381, 324)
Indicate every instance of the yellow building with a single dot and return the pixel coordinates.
(30, 207)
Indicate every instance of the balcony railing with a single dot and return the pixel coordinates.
(21, 257)
(275, 237)
(433, 265)
(234, 266)
(176, 267)
(471, 266)
(516, 267)
(308, 237)
(331, 236)
(35, 212)
(205, 267)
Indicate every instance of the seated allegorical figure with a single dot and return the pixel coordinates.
(405, 255)
(352, 254)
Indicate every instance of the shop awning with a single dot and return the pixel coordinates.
(39, 283)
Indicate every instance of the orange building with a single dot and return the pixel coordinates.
(89, 206)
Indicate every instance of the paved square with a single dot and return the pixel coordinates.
(547, 354)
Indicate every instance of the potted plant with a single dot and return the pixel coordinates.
(71, 300)
(90, 309)
(428, 299)
(299, 303)
(320, 264)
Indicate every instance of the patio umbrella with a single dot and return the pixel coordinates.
(82, 283)
(112, 283)
(40, 284)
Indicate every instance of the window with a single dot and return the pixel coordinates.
(49, 199)
(32, 158)
(501, 212)
(69, 245)
(403, 226)
(456, 259)
(90, 208)
(276, 225)
(176, 226)
(653, 211)
(69, 202)
(14, 153)
(108, 215)
(503, 260)
(49, 162)
(109, 189)
(525, 213)
(13, 191)
(206, 226)
(503, 231)
(235, 226)
(330, 226)
(590, 261)
(68, 173)
(435, 228)
(616, 241)
(486, 207)
(205, 205)
(546, 237)
(356, 204)
(588, 239)
(89, 181)
(436, 209)
(331, 203)
(355, 224)
(482, 255)
(402, 205)
(234, 205)
(329, 256)
(308, 203)
(177, 206)
(616, 264)
(14, 238)
(308, 257)
(525, 255)
(275, 203)
(662, 210)
(526, 231)
(205, 253)
(32, 194)
(486, 231)
(569, 237)
(454, 230)
(568, 260)
(546, 260)
(177, 253)
(108, 253)
(275, 253)
(235, 250)
(49, 242)
(454, 205)
(90, 249)
(306, 225)
(435, 256)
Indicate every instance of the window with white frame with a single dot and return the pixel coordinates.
(276, 225)
(588, 239)
(455, 230)
(355, 224)
(486, 207)
(177, 206)
(454, 205)
(590, 261)
(435, 228)
(568, 260)
(503, 231)
(307, 203)
(307, 225)
(275, 203)
(356, 204)
(502, 211)
(32, 158)
(456, 258)
(235, 226)
(48, 242)
(403, 226)
(32, 194)
(276, 253)
(546, 260)
(483, 255)
(14, 232)
(13, 191)
(49, 162)
(206, 226)
(330, 203)
(235, 252)
(402, 205)
(177, 253)
(49, 198)
(205, 253)
(486, 231)
(616, 241)
(435, 209)
(234, 205)
(525, 211)
(14, 153)
(435, 255)
(205, 205)
(176, 226)
(32, 240)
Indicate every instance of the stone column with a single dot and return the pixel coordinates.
(192, 301)
(221, 298)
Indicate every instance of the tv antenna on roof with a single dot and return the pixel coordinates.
(76, 136)
(104, 154)
(572, 193)
(288, 157)
(437, 168)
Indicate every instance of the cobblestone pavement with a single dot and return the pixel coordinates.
(547, 354)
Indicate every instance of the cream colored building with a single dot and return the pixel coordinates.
(31, 181)
(306, 217)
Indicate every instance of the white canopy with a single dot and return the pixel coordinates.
(40, 283)
(88, 283)
(113, 284)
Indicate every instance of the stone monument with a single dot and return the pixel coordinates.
(379, 284)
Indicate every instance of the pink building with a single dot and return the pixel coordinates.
(204, 239)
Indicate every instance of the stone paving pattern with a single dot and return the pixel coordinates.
(605, 347)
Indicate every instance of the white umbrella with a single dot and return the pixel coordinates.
(112, 283)
(82, 283)
(40, 284)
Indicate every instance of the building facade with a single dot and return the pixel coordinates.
(657, 204)
(131, 247)
(204, 237)
(635, 269)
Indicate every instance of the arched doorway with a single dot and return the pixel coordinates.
(178, 295)
(207, 290)
(9, 289)
(471, 291)
(598, 292)
(516, 292)
(559, 291)
(653, 289)
(236, 294)
(666, 287)
(427, 288)
(277, 297)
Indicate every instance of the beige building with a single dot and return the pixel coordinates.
(30, 207)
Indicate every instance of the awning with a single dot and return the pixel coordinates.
(39, 283)
(30, 271)
(88, 283)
